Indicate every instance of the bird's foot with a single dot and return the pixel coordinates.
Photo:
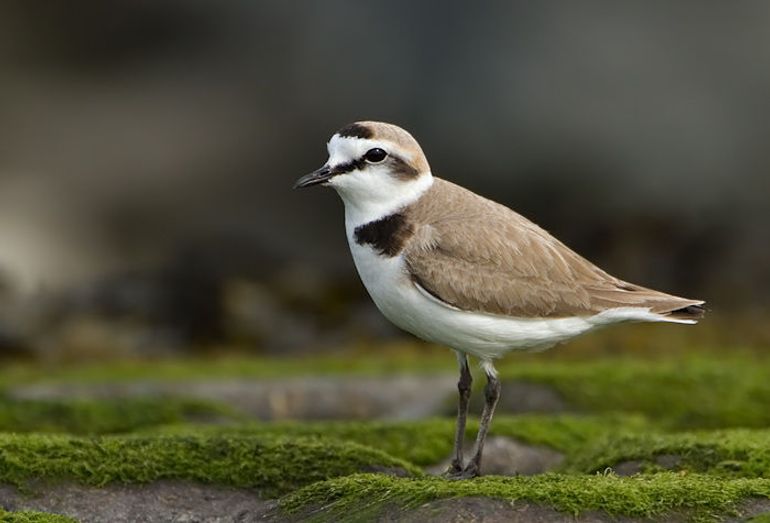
(455, 472)
(471, 471)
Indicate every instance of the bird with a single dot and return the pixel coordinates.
(457, 269)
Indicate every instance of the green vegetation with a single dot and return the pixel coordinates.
(105, 416)
(27, 516)
(678, 393)
(728, 453)
(696, 428)
(701, 497)
(384, 361)
(427, 442)
(273, 465)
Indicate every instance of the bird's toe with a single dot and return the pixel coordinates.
(470, 471)
(453, 471)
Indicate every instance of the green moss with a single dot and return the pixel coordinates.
(28, 516)
(729, 453)
(680, 393)
(760, 518)
(427, 442)
(364, 495)
(105, 416)
(684, 392)
(568, 433)
(273, 465)
(386, 361)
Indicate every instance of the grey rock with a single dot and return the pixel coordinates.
(508, 457)
(631, 467)
(177, 502)
(750, 508)
(526, 396)
(474, 509)
(329, 397)
(163, 501)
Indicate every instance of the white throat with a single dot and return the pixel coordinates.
(360, 209)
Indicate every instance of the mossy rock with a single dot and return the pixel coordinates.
(365, 497)
(427, 442)
(710, 391)
(418, 359)
(106, 416)
(271, 465)
(692, 392)
(727, 453)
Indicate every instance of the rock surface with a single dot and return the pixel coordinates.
(177, 502)
(664, 461)
(314, 398)
(505, 456)
(163, 501)
(475, 509)
(487, 510)
(307, 398)
(518, 397)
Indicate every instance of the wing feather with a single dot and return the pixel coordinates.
(477, 255)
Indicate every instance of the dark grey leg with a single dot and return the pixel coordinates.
(464, 390)
(491, 395)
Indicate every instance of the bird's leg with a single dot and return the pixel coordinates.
(491, 395)
(464, 390)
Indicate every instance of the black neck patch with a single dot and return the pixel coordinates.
(355, 130)
(387, 235)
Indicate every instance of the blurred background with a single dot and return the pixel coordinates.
(148, 149)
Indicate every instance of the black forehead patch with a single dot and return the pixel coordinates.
(355, 130)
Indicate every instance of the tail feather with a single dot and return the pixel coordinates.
(669, 307)
(692, 312)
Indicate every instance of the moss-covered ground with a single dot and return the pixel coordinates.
(729, 390)
(271, 465)
(707, 416)
(725, 453)
(105, 416)
(427, 442)
(701, 497)
(688, 392)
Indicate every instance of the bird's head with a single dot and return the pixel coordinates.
(371, 164)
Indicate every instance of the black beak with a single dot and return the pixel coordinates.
(320, 176)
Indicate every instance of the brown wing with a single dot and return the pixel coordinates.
(477, 255)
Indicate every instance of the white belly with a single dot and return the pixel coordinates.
(486, 336)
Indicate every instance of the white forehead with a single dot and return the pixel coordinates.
(342, 149)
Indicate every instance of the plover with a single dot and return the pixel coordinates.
(457, 269)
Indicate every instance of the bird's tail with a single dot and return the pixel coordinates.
(687, 314)
(664, 307)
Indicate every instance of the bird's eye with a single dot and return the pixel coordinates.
(375, 155)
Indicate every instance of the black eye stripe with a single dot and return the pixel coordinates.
(361, 163)
(349, 166)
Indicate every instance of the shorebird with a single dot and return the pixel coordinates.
(457, 269)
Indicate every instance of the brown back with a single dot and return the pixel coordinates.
(477, 255)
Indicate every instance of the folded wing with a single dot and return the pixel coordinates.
(476, 255)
